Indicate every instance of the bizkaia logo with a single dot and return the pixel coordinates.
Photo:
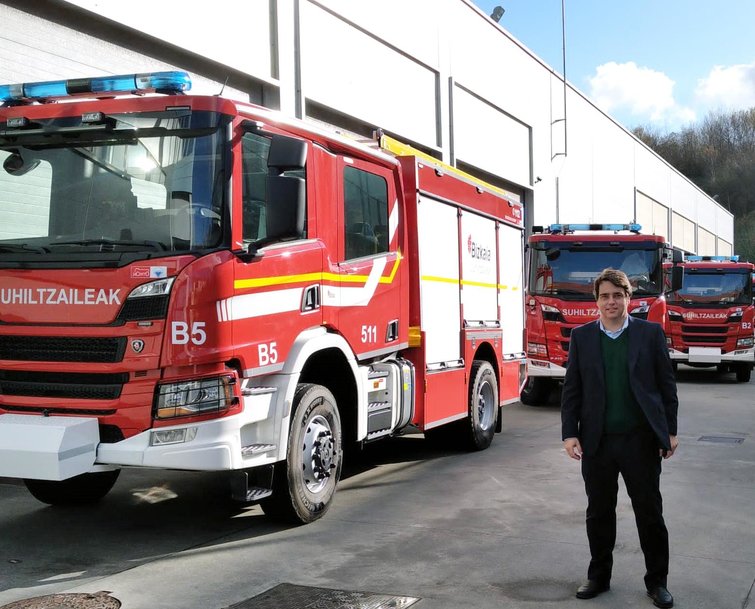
(477, 251)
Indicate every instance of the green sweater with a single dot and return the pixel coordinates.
(623, 413)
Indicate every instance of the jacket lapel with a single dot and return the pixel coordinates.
(633, 352)
(593, 345)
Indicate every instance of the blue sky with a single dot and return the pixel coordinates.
(663, 64)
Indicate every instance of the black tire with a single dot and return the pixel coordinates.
(476, 430)
(304, 484)
(744, 373)
(483, 406)
(79, 490)
(536, 390)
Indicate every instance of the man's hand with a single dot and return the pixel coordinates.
(574, 448)
(667, 453)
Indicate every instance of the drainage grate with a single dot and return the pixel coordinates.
(98, 600)
(721, 439)
(290, 596)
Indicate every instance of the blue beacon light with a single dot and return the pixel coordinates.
(168, 82)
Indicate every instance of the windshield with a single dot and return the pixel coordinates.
(565, 270)
(133, 182)
(705, 288)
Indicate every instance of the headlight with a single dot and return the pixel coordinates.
(195, 397)
(551, 313)
(154, 288)
(675, 315)
(641, 309)
(746, 342)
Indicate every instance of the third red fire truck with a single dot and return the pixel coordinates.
(564, 259)
(711, 318)
(194, 283)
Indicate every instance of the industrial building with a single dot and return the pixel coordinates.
(418, 70)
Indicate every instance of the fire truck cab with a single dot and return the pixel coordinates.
(564, 260)
(711, 317)
(195, 283)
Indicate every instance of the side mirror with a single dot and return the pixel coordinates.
(677, 278)
(677, 256)
(287, 197)
(286, 153)
(16, 165)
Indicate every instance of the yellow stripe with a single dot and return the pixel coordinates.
(262, 282)
(478, 284)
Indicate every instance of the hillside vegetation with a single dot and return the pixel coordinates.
(717, 154)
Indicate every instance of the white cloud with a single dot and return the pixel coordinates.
(646, 94)
(729, 88)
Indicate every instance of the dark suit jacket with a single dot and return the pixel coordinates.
(651, 377)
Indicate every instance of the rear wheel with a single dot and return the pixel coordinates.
(536, 390)
(483, 406)
(304, 484)
(744, 373)
(79, 490)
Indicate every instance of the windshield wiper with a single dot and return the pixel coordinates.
(23, 247)
(157, 245)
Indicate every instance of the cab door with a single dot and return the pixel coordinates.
(366, 292)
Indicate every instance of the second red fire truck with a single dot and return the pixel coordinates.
(711, 317)
(193, 283)
(564, 259)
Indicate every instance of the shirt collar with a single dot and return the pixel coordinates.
(614, 333)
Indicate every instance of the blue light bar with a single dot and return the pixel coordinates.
(570, 228)
(712, 258)
(163, 82)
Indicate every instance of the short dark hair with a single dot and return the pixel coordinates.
(617, 278)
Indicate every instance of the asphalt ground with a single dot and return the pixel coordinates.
(499, 528)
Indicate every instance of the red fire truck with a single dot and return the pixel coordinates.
(711, 317)
(564, 259)
(193, 283)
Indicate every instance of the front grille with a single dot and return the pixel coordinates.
(61, 349)
(62, 385)
(565, 345)
(705, 329)
(565, 332)
(82, 412)
(138, 309)
(708, 340)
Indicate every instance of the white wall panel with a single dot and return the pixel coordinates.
(236, 34)
(487, 138)
(362, 77)
(34, 49)
(395, 22)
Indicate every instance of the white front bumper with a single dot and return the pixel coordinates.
(47, 448)
(58, 448)
(539, 367)
(247, 439)
(712, 355)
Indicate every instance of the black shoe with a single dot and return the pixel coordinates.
(661, 597)
(591, 588)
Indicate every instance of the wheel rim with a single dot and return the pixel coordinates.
(485, 405)
(318, 454)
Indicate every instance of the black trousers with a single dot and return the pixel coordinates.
(634, 456)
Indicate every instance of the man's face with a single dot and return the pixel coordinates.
(612, 302)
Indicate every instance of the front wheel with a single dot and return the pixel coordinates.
(536, 391)
(79, 490)
(304, 484)
(744, 373)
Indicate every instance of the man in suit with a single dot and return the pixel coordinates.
(618, 416)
